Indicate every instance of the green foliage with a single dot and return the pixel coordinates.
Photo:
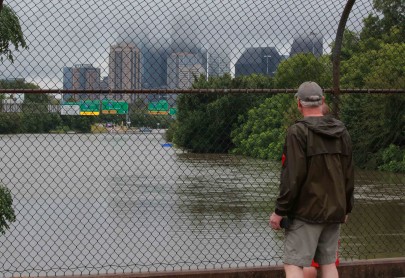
(10, 33)
(377, 122)
(393, 159)
(75, 123)
(304, 67)
(262, 134)
(391, 22)
(382, 68)
(10, 123)
(17, 84)
(388, 68)
(350, 44)
(374, 122)
(205, 121)
(152, 121)
(39, 122)
(7, 214)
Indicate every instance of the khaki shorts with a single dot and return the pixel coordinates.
(306, 241)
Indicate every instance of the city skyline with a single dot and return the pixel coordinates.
(81, 32)
(141, 66)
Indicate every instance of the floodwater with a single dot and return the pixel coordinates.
(114, 203)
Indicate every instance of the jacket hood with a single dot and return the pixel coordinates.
(326, 125)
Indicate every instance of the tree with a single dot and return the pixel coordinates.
(261, 134)
(350, 44)
(376, 60)
(375, 122)
(304, 67)
(382, 68)
(205, 121)
(391, 22)
(10, 32)
(7, 214)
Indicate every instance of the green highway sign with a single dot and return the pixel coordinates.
(114, 107)
(94, 107)
(173, 111)
(89, 107)
(160, 107)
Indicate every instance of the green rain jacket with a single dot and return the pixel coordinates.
(317, 176)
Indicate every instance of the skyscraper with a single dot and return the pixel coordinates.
(154, 69)
(259, 60)
(312, 43)
(124, 70)
(182, 68)
(219, 62)
(81, 77)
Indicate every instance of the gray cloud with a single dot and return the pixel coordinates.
(62, 33)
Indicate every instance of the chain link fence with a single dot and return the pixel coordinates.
(143, 136)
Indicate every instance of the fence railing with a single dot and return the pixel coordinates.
(94, 194)
(146, 136)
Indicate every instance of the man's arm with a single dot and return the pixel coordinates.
(293, 173)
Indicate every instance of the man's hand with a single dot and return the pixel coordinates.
(275, 221)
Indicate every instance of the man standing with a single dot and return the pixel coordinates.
(316, 188)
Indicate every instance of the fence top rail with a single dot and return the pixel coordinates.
(195, 91)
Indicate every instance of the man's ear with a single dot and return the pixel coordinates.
(299, 104)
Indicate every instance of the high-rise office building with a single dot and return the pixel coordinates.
(104, 86)
(259, 60)
(124, 70)
(219, 62)
(154, 69)
(312, 43)
(182, 69)
(104, 83)
(81, 77)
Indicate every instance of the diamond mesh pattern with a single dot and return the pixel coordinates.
(142, 136)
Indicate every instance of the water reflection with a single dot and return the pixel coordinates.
(122, 203)
(376, 227)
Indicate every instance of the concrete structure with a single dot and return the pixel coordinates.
(312, 43)
(124, 70)
(80, 77)
(259, 60)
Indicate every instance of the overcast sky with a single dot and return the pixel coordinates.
(66, 32)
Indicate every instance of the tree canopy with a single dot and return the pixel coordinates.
(391, 21)
(10, 33)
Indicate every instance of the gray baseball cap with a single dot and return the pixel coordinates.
(309, 92)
